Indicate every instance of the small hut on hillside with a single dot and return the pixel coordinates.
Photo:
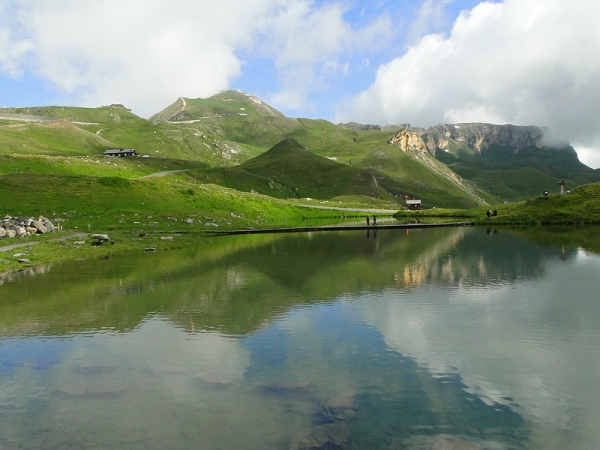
(121, 152)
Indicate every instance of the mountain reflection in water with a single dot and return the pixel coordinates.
(395, 339)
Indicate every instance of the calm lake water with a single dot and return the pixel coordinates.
(454, 338)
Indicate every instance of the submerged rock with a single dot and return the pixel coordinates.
(298, 392)
(159, 371)
(453, 444)
(216, 378)
(105, 389)
(324, 437)
(341, 405)
(93, 369)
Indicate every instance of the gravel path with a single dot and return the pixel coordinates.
(365, 210)
(7, 248)
(166, 172)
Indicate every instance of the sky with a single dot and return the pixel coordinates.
(421, 62)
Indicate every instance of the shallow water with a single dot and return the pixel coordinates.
(402, 340)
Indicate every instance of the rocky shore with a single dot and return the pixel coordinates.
(11, 227)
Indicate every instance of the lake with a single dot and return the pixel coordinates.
(446, 338)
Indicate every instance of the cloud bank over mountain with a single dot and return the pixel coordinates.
(147, 53)
(520, 61)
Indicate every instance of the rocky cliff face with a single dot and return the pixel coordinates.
(409, 140)
(476, 136)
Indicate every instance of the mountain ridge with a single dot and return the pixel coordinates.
(447, 164)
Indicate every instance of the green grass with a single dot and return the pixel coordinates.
(579, 207)
(102, 201)
(92, 165)
(524, 174)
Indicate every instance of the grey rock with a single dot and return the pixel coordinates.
(101, 239)
(38, 225)
(453, 444)
(330, 436)
(105, 389)
(24, 261)
(20, 231)
(2, 232)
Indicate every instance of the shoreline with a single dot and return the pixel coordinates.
(340, 228)
(63, 248)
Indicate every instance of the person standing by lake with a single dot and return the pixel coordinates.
(374, 220)
(367, 217)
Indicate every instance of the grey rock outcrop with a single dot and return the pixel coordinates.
(475, 136)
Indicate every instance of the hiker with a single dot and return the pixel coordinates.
(495, 212)
(488, 213)
(367, 217)
(374, 220)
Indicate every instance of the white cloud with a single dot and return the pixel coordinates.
(526, 62)
(590, 156)
(308, 45)
(144, 54)
(147, 53)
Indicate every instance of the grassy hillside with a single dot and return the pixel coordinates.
(232, 127)
(289, 170)
(90, 131)
(579, 207)
(92, 165)
(516, 176)
(224, 131)
(116, 202)
(59, 137)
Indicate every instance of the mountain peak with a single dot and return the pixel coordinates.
(224, 104)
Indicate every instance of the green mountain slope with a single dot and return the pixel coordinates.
(247, 121)
(511, 162)
(291, 171)
(89, 131)
(460, 165)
